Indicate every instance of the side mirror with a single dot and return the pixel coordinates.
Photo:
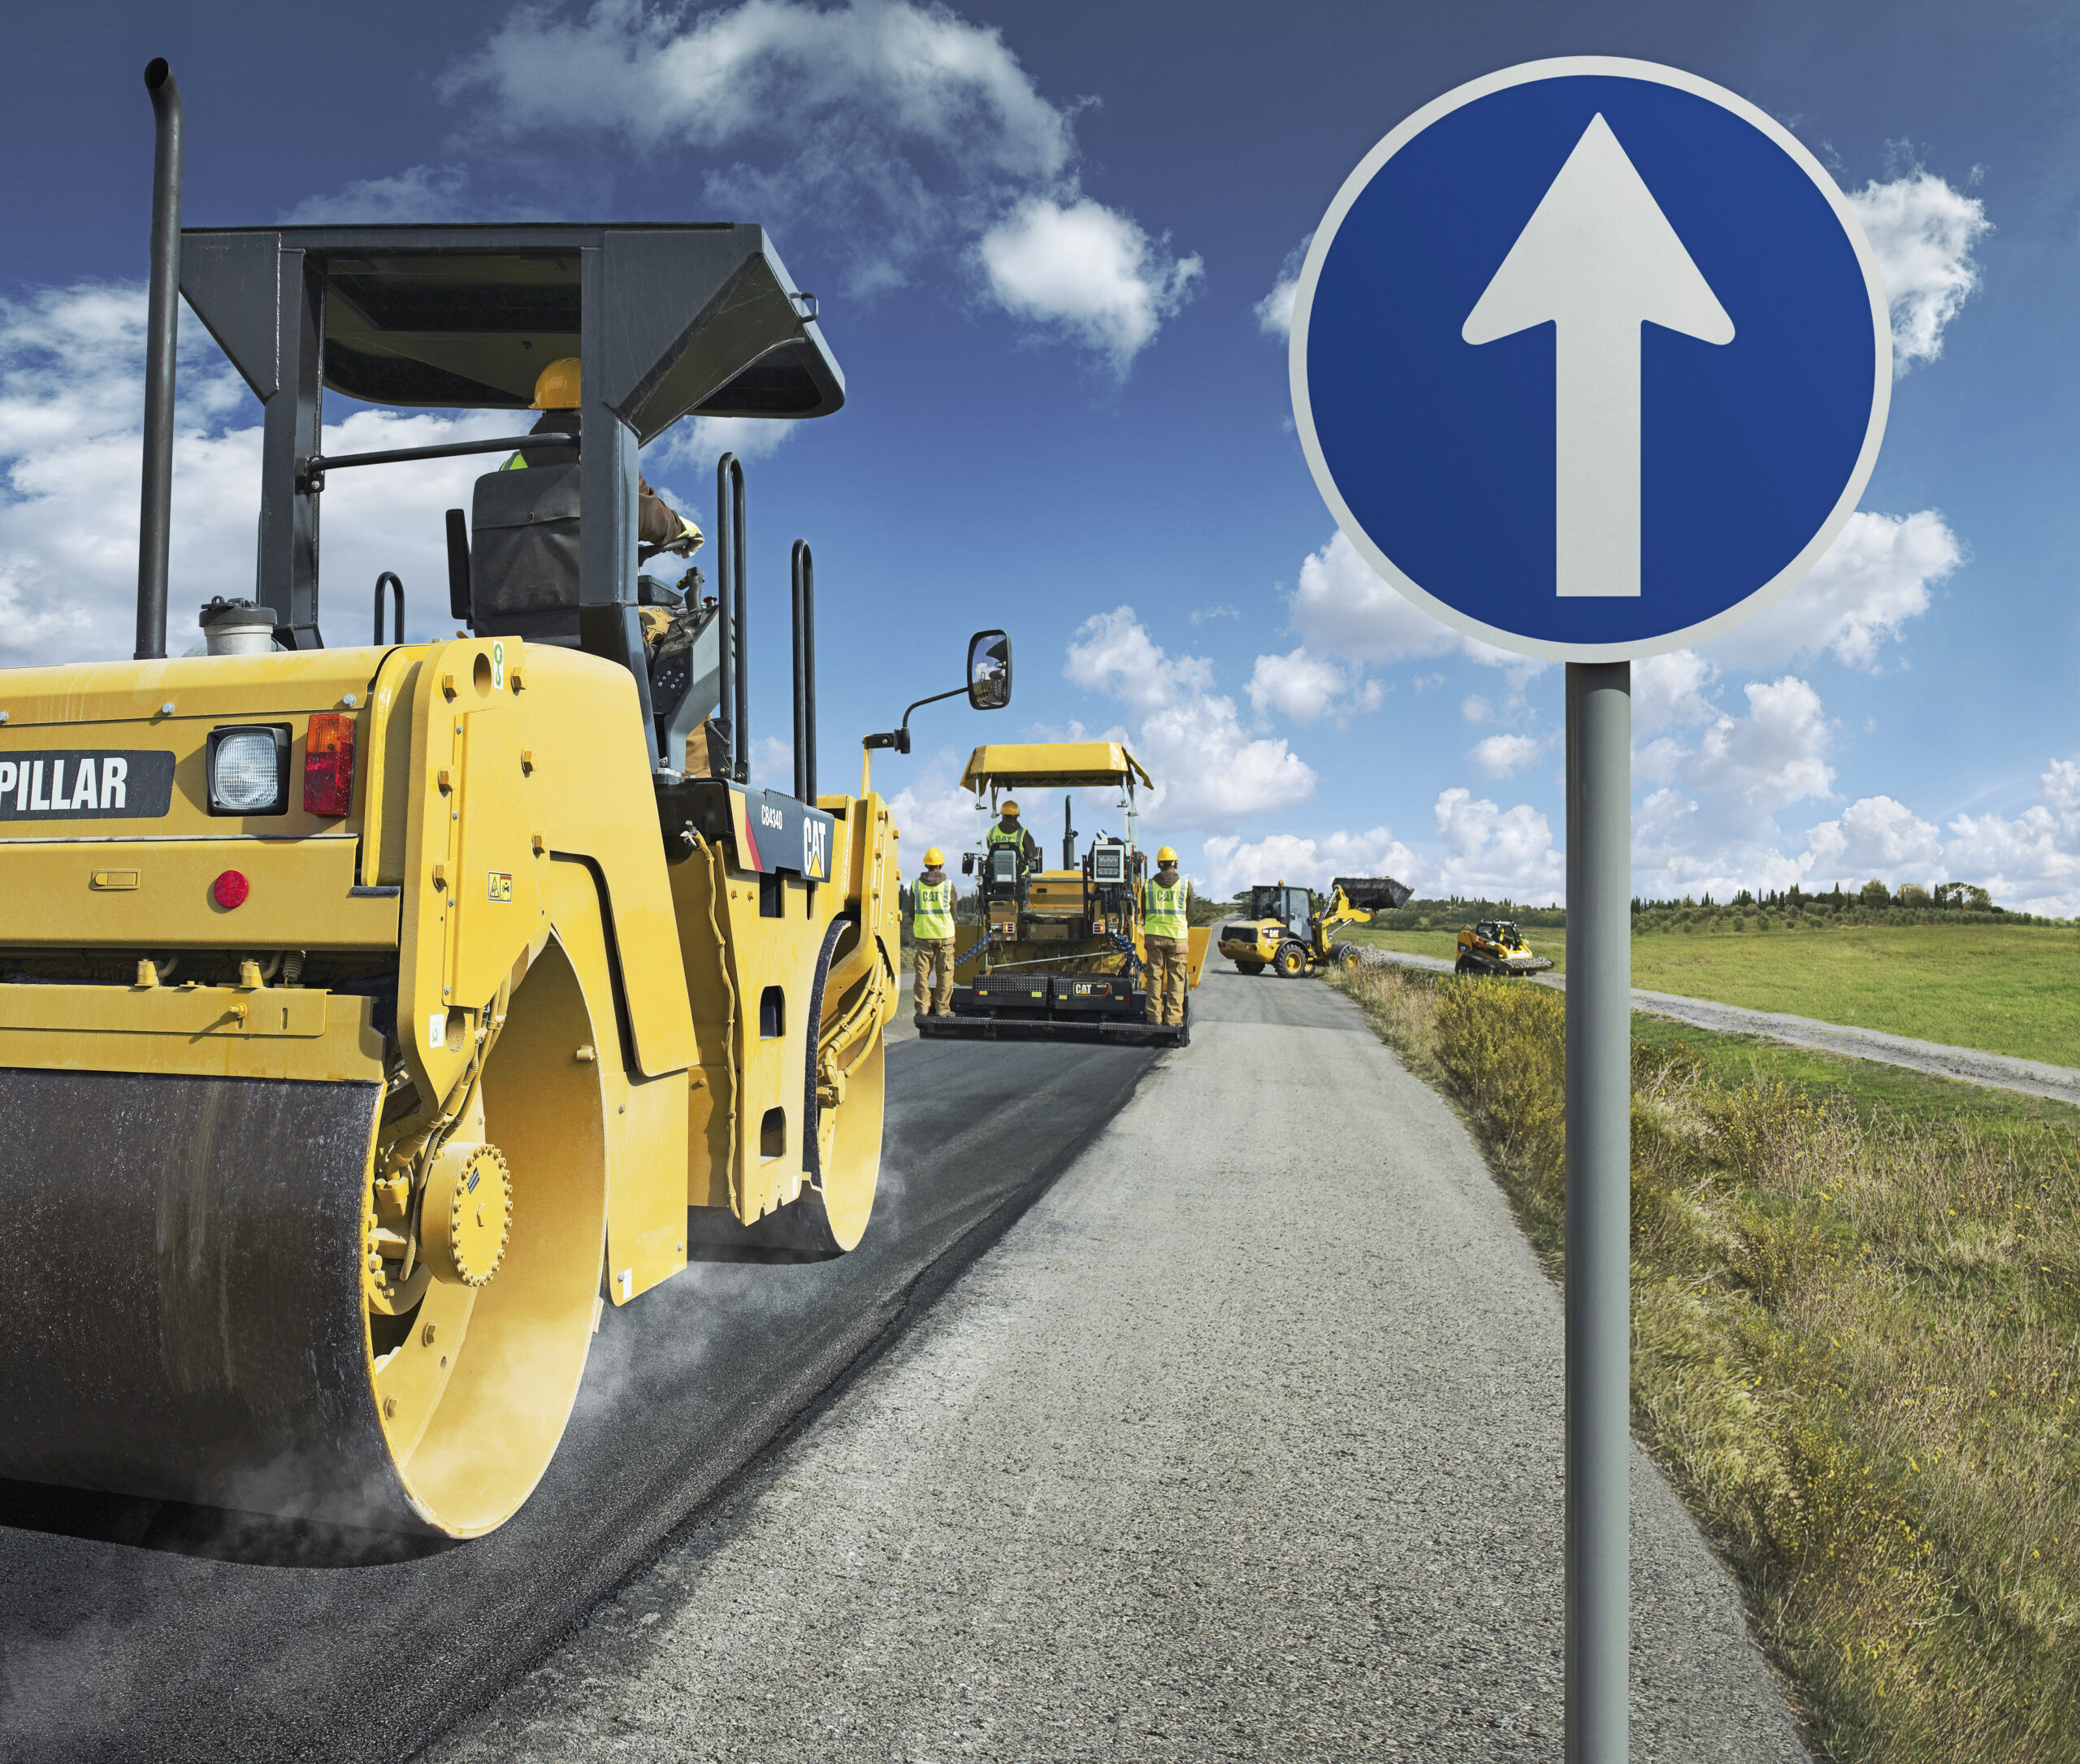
(989, 670)
(967, 863)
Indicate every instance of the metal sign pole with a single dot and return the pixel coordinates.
(1598, 1300)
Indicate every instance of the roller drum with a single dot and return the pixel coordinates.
(189, 1314)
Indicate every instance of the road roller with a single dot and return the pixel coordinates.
(372, 1014)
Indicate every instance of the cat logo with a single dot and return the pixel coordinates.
(814, 859)
(501, 884)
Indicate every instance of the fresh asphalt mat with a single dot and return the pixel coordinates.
(131, 1630)
(1244, 1441)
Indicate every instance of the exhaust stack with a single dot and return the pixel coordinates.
(162, 335)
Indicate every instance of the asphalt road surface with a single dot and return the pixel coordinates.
(133, 1630)
(1244, 1441)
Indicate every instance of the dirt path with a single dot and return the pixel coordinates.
(1999, 1072)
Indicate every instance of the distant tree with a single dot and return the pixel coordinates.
(1911, 894)
(1875, 893)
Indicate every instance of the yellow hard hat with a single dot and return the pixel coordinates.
(1009, 809)
(934, 858)
(1166, 856)
(556, 388)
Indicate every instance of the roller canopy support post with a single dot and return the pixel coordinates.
(1599, 1437)
(804, 604)
(161, 340)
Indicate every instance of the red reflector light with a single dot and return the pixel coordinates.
(328, 764)
(230, 890)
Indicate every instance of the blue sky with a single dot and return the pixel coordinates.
(1048, 242)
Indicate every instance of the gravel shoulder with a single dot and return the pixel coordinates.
(1243, 1442)
(1999, 1072)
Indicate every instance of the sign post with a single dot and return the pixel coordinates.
(1591, 360)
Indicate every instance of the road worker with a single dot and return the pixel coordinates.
(556, 397)
(931, 929)
(1009, 831)
(1164, 899)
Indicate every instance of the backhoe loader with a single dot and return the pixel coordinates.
(1059, 955)
(1289, 931)
(370, 1016)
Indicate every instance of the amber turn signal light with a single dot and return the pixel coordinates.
(328, 764)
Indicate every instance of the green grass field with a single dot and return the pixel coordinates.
(2007, 990)
(1855, 1291)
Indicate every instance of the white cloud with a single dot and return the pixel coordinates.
(1342, 606)
(420, 193)
(1306, 688)
(1275, 311)
(1670, 689)
(2031, 862)
(1209, 770)
(1086, 271)
(1499, 756)
(893, 133)
(1856, 601)
(1770, 758)
(1305, 863)
(1476, 709)
(1874, 835)
(681, 464)
(1499, 853)
(1921, 233)
(930, 810)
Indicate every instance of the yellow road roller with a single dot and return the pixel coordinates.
(372, 1014)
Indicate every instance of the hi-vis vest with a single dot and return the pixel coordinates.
(931, 911)
(1000, 834)
(1163, 909)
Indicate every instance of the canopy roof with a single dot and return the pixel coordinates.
(696, 318)
(1052, 765)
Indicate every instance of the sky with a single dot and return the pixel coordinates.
(1053, 249)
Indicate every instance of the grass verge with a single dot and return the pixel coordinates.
(2007, 990)
(1855, 1302)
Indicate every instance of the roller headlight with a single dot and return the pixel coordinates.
(249, 771)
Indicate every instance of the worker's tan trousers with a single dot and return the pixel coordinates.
(937, 951)
(1170, 967)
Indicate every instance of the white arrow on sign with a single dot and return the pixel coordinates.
(1597, 260)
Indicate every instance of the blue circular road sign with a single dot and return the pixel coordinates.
(1591, 358)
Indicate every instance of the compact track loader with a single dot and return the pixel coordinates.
(1496, 946)
(1059, 954)
(1286, 931)
(370, 1016)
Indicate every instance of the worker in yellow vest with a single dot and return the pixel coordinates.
(931, 929)
(1163, 900)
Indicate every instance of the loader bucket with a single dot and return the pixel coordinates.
(1374, 894)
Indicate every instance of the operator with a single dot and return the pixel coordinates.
(1163, 897)
(1009, 831)
(931, 929)
(556, 397)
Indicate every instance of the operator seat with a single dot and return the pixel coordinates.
(523, 555)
